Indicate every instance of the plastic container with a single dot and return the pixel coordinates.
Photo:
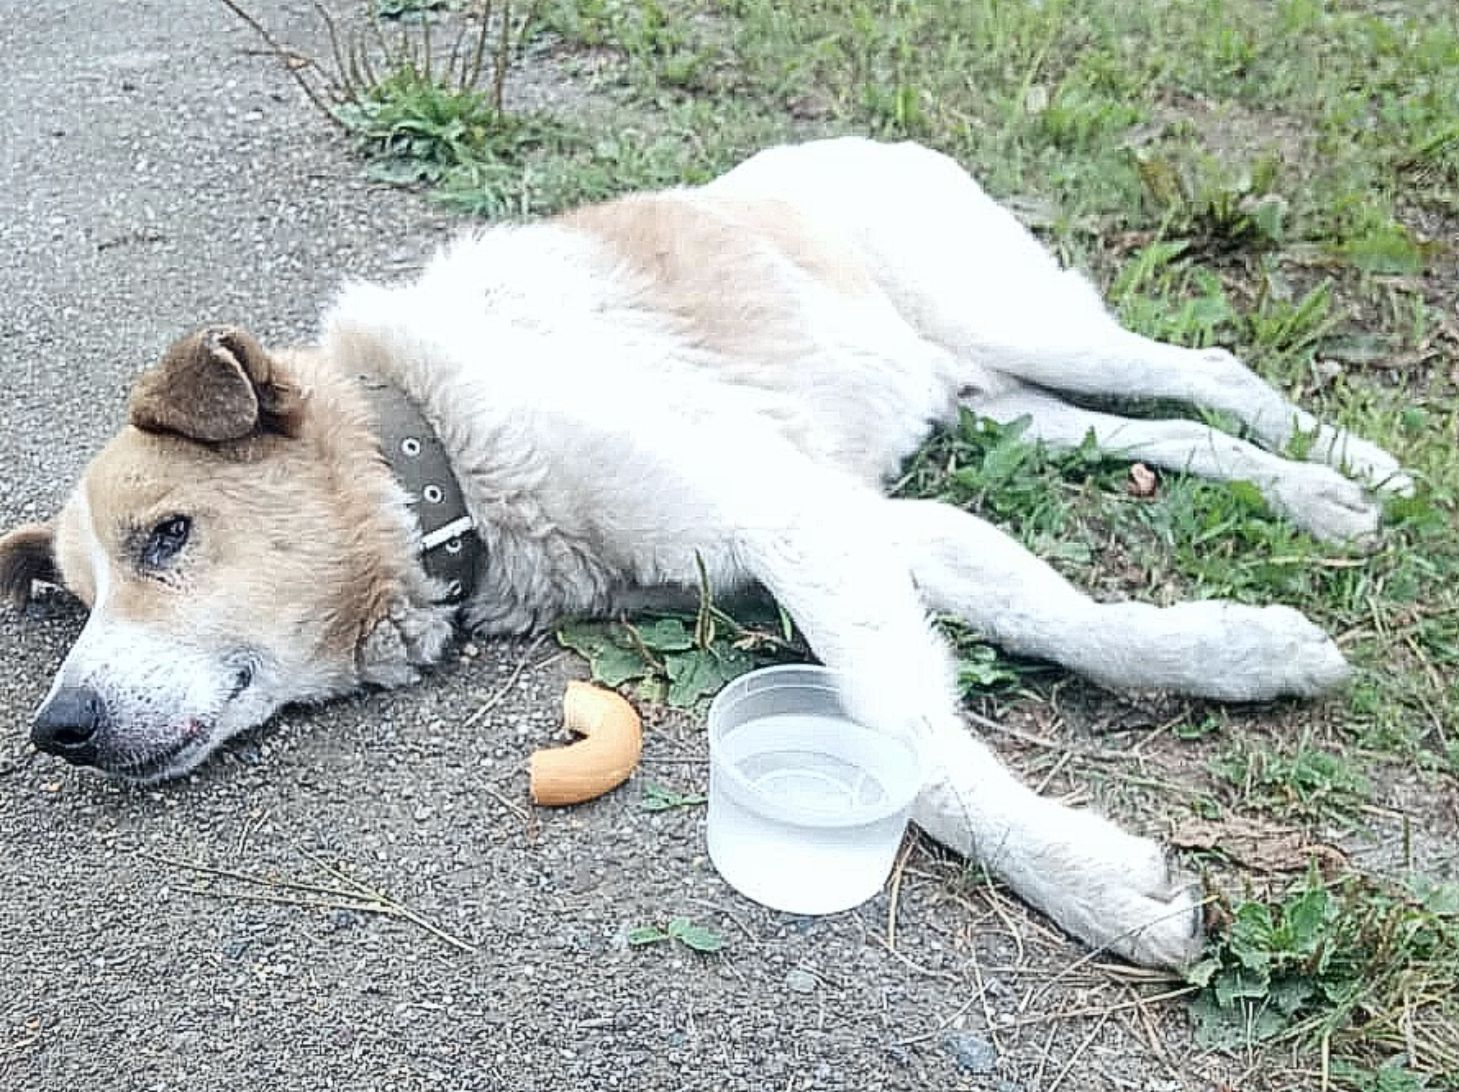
(806, 807)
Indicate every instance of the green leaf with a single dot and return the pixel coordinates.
(1290, 994)
(613, 659)
(700, 672)
(1238, 983)
(584, 638)
(1003, 460)
(1267, 1024)
(666, 635)
(1201, 972)
(699, 937)
(979, 668)
(1306, 920)
(1216, 1028)
(658, 798)
(1267, 216)
(615, 666)
(1414, 420)
(647, 934)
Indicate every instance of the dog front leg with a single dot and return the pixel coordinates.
(966, 567)
(851, 592)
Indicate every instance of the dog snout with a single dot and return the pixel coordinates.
(68, 723)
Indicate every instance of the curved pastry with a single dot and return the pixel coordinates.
(602, 760)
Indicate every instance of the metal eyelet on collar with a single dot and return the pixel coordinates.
(453, 546)
(410, 446)
(433, 494)
(453, 590)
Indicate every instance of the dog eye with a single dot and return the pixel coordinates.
(165, 540)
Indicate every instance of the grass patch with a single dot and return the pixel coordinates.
(1303, 781)
(681, 659)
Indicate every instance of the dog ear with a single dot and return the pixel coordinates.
(217, 385)
(25, 557)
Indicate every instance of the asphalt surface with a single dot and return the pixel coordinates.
(156, 172)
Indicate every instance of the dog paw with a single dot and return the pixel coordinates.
(1108, 888)
(1306, 661)
(1119, 893)
(1362, 459)
(1262, 653)
(1327, 505)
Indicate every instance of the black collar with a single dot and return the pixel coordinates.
(449, 546)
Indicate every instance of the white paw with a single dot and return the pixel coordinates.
(1341, 449)
(1307, 660)
(1116, 892)
(1261, 653)
(1325, 504)
(1109, 889)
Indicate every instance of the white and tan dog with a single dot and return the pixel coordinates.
(726, 374)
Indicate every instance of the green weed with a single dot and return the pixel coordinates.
(1360, 969)
(684, 659)
(658, 798)
(421, 130)
(698, 938)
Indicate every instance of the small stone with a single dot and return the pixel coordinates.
(1327, 370)
(801, 981)
(974, 1055)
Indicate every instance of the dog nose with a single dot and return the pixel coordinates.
(67, 724)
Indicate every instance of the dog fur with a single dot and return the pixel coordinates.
(725, 375)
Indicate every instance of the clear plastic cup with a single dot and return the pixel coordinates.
(806, 807)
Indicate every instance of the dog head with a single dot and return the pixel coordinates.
(240, 546)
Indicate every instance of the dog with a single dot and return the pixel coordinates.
(572, 417)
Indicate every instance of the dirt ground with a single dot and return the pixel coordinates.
(158, 171)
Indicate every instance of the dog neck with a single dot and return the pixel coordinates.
(449, 548)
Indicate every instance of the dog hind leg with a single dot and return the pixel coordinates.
(1111, 362)
(966, 275)
(1316, 498)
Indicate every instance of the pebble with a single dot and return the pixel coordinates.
(974, 1055)
(801, 981)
